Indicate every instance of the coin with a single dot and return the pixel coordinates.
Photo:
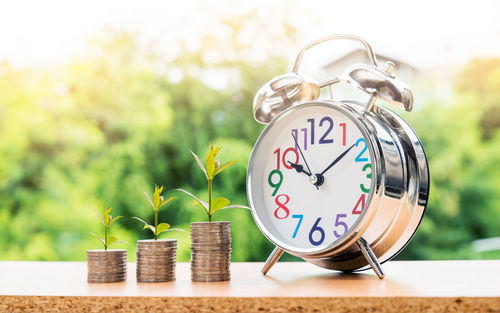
(156, 260)
(106, 266)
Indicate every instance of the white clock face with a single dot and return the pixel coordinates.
(309, 196)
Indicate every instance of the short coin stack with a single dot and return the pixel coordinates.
(106, 266)
(210, 251)
(156, 260)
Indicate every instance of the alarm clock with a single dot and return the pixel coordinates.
(340, 184)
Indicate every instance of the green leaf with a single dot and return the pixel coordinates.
(106, 216)
(149, 199)
(146, 225)
(210, 164)
(111, 240)
(119, 241)
(167, 201)
(99, 238)
(216, 150)
(199, 163)
(219, 203)
(115, 219)
(175, 229)
(151, 228)
(162, 227)
(203, 203)
(100, 217)
(156, 197)
(223, 167)
(235, 206)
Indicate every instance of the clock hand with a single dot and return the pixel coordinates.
(299, 168)
(337, 159)
(300, 150)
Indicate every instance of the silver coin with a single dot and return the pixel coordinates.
(210, 274)
(97, 259)
(108, 256)
(157, 251)
(155, 254)
(112, 280)
(106, 278)
(200, 266)
(112, 251)
(160, 260)
(210, 278)
(139, 280)
(155, 272)
(107, 262)
(151, 263)
(210, 224)
(106, 271)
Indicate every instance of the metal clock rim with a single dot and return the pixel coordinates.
(362, 222)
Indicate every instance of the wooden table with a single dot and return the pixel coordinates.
(412, 286)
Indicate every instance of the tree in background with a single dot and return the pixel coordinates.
(100, 130)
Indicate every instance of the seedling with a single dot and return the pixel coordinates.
(157, 203)
(106, 221)
(211, 169)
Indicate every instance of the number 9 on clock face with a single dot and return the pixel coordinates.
(311, 177)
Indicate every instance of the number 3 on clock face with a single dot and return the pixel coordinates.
(311, 177)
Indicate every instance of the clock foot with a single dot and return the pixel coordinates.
(370, 257)
(272, 259)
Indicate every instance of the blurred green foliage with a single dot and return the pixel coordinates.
(101, 130)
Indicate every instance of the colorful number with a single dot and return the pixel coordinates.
(359, 205)
(359, 158)
(295, 134)
(338, 222)
(283, 159)
(343, 125)
(330, 121)
(277, 152)
(311, 120)
(369, 176)
(300, 217)
(282, 206)
(314, 229)
(304, 130)
(288, 166)
(277, 185)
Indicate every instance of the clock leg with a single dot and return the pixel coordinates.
(370, 257)
(271, 259)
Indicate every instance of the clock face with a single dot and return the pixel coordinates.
(311, 177)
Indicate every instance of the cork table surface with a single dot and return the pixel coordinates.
(427, 286)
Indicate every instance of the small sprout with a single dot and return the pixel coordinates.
(157, 202)
(211, 169)
(106, 221)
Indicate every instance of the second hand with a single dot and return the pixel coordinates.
(300, 150)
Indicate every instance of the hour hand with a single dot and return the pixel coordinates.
(299, 168)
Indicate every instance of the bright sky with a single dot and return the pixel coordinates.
(422, 33)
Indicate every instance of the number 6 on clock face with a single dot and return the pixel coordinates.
(311, 177)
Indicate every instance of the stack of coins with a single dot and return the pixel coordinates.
(210, 251)
(156, 260)
(106, 266)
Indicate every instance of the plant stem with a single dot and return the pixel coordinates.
(105, 238)
(209, 200)
(156, 224)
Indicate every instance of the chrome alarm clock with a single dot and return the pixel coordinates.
(341, 184)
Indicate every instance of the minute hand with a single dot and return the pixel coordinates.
(337, 159)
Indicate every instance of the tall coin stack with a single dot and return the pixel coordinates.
(156, 260)
(210, 251)
(106, 266)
